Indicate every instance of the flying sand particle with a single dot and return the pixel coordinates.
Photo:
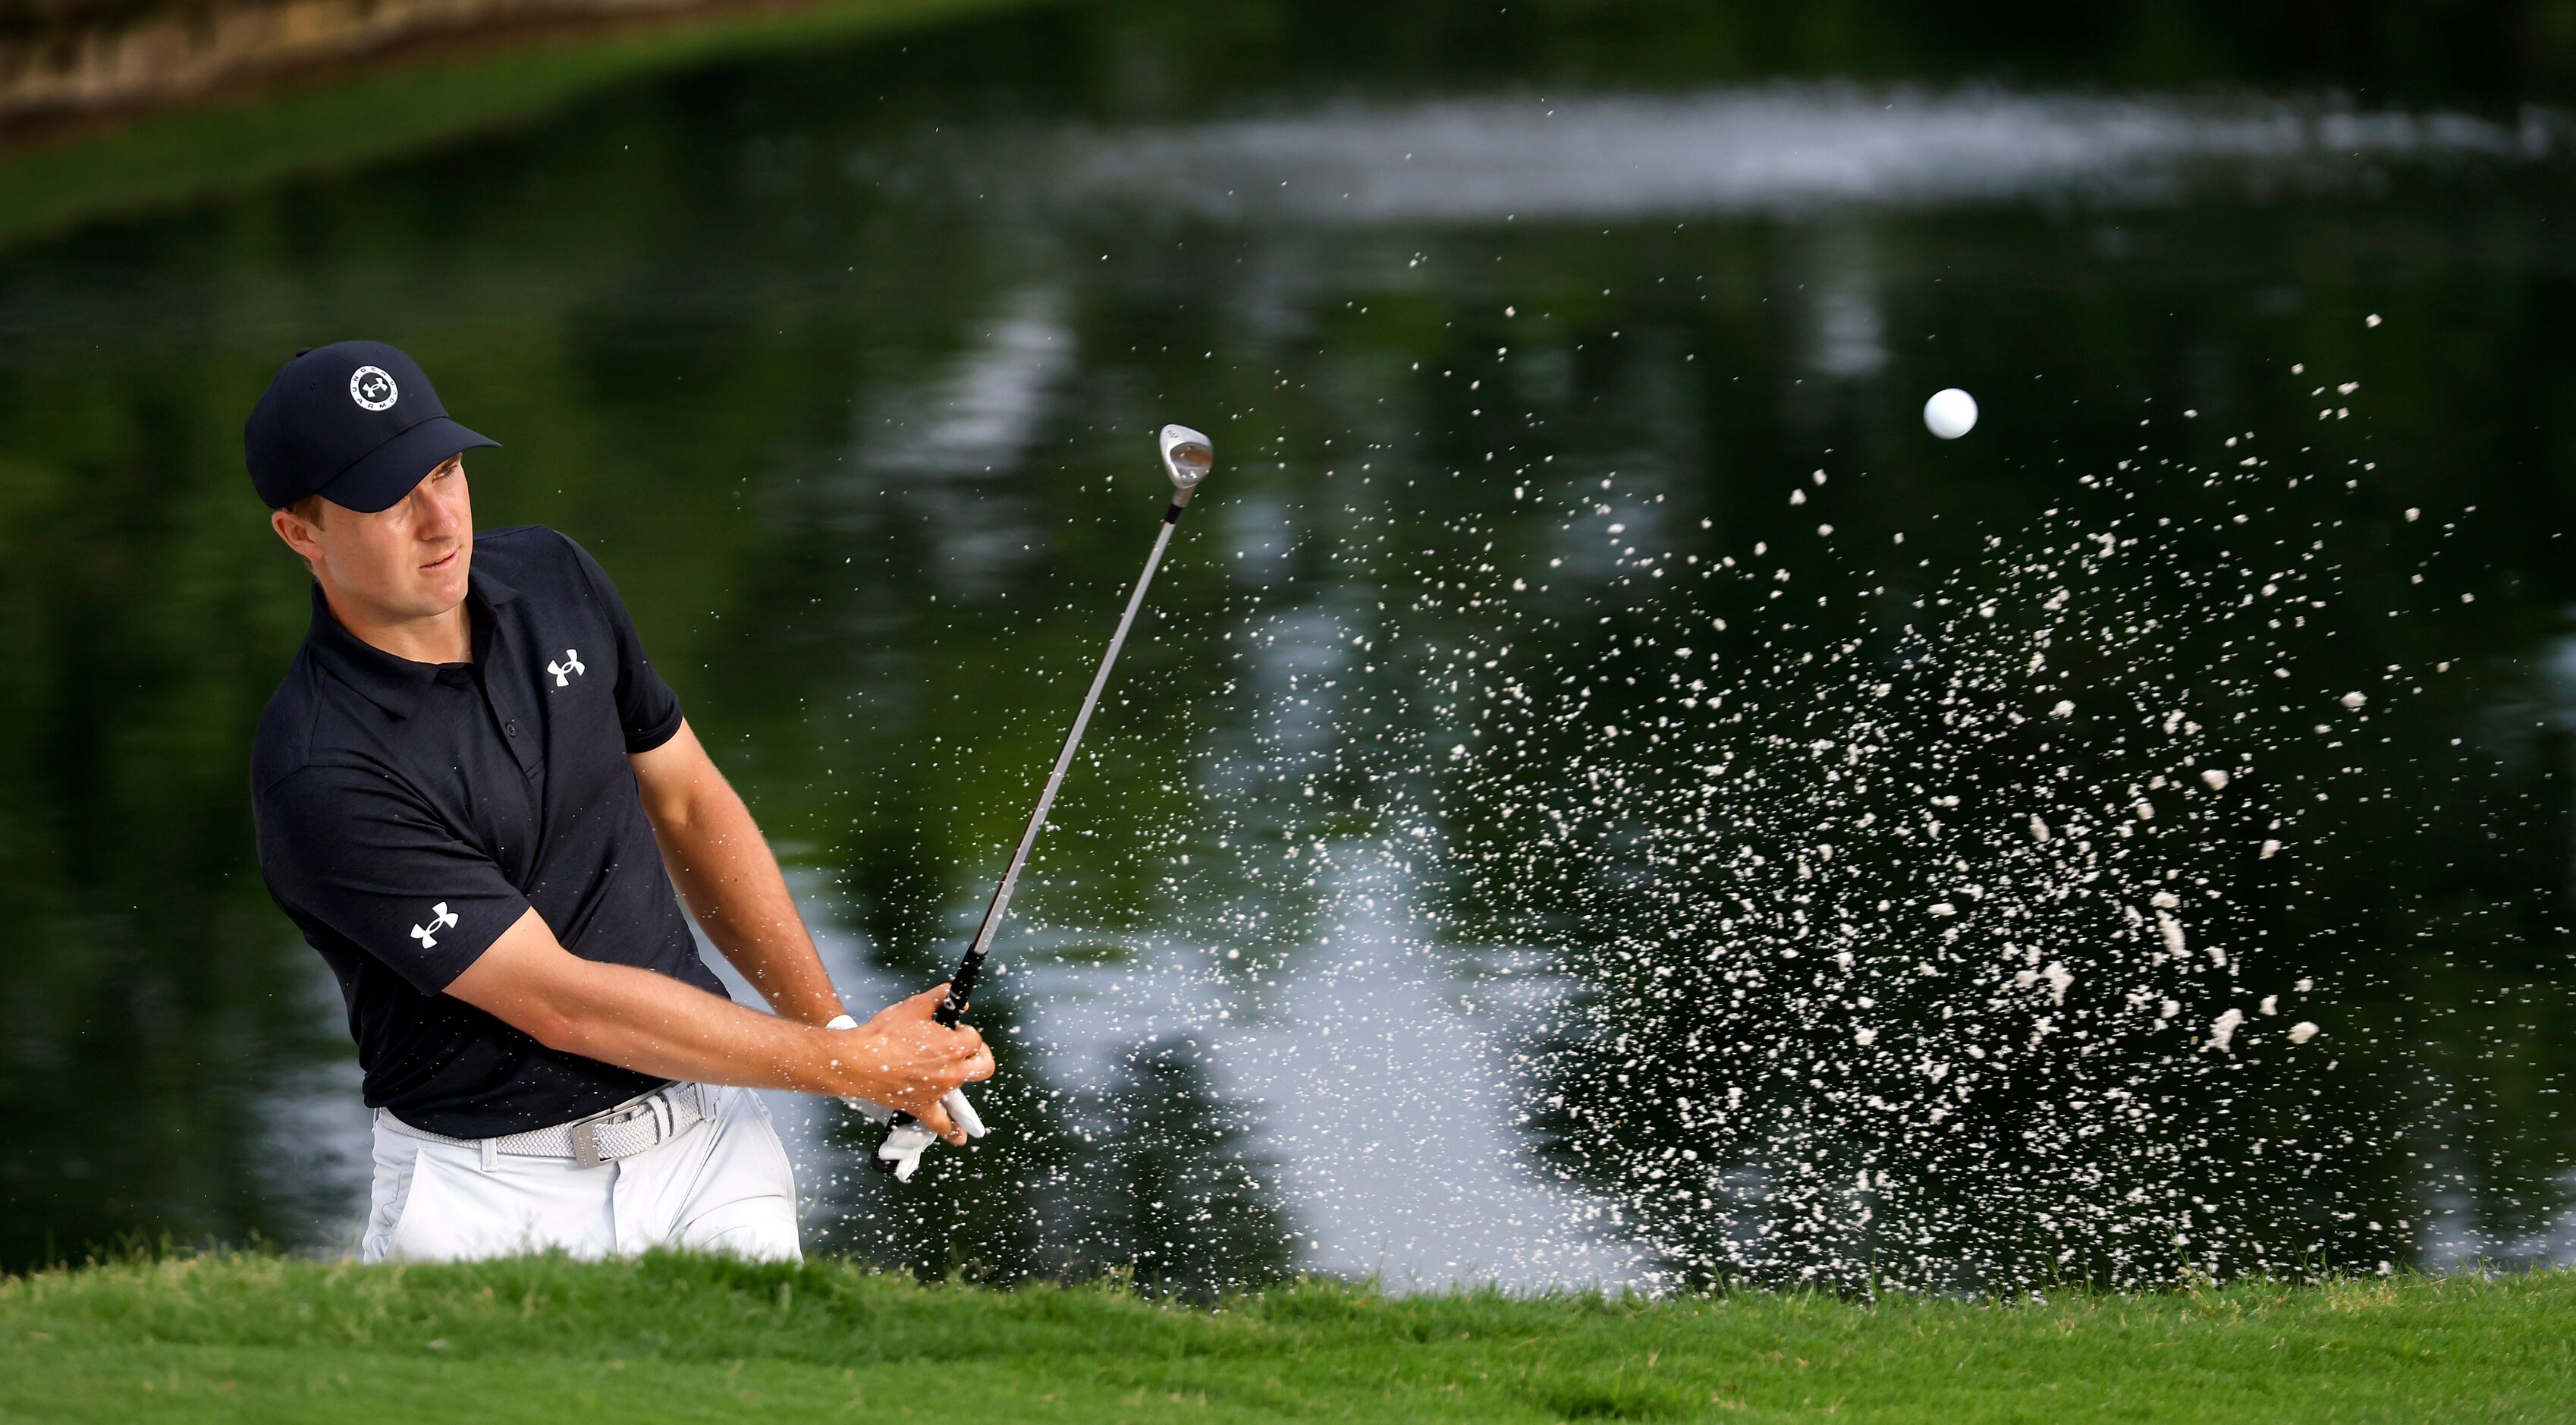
(2222, 1031)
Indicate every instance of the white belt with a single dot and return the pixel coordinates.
(621, 1132)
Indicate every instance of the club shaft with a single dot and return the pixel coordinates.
(961, 986)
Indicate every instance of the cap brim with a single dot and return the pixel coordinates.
(385, 474)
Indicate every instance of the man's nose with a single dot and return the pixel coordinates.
(436, 518)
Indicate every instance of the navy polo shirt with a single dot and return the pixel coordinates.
(409, 813)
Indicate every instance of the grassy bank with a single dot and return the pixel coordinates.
(338, 120)
(679, 1338)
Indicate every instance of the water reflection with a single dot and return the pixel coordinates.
(1385, 1073)
(1784, 150)
(1394, 921)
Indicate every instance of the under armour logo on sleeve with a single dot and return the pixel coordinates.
(440, 918)
(565, 670)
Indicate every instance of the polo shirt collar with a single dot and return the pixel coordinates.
(392, 683)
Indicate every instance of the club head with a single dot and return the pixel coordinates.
(1187, 458)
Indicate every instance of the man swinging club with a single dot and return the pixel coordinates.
(474, 796)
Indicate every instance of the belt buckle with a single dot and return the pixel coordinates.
(585, 1134)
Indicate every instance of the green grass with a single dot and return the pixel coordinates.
(679, 1338)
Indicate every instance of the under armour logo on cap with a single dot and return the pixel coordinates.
(440, 918)
(370, 387)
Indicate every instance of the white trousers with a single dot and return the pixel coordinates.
(724, 1185)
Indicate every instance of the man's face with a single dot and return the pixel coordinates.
(406, 561)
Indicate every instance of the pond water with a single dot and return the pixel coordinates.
(1599, 794)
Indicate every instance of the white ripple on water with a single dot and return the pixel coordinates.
(1771, 150)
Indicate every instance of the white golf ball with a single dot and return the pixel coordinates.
(1950, 414)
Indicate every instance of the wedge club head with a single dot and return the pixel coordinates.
(1187, 457)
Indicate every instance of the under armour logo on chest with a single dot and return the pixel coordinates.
(440, 918)
(566, 670)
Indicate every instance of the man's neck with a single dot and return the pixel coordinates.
(438, 638)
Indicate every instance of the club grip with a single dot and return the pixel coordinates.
(961, 988)
(951, 1011)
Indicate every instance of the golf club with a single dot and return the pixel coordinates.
(1187, 458)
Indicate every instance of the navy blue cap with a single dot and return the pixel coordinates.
(354, 422)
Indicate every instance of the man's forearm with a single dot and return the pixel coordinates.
(653, 1024)
(725, 869)
(730, 879)
(638, 1019)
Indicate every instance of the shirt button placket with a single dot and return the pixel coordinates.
(515, 733)
(506, 693)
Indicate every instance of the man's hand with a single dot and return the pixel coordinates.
(912, 1061)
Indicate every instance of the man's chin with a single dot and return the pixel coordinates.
(443, 590)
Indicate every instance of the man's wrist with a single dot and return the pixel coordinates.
(842, 1089)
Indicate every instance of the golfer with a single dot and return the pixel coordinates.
(474, 796)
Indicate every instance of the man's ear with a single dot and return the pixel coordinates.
(298, 534)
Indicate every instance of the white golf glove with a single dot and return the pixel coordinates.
(904, 1146)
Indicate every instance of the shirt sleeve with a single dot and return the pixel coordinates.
(352, 851)
(647, 709)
